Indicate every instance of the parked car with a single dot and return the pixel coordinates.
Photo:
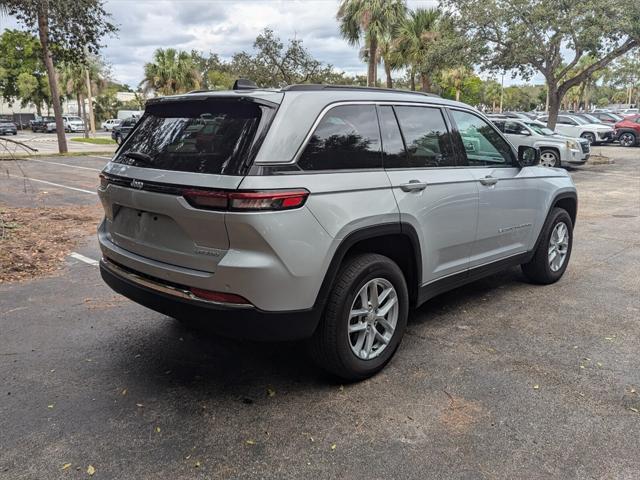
(8, 128)
(555, 149)
(307, 214)
(609, 118)
(40, 124)
(629, 112)
(573, 126)
(120, 132)
(589, 118)
(71, 123)
(628, 131)
(109, 124)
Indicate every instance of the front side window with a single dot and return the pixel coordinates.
(482, 144)
(514, 128)
(346, 138)
(426, 137)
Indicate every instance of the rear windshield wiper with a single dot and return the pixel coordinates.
(141, 157)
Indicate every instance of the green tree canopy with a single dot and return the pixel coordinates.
(536, 35)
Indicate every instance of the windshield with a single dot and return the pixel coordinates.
(590, 118)
(579, 120)
(539, 129)
(204, 137)
(74, 119)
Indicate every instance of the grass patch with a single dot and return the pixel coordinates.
(95, 141)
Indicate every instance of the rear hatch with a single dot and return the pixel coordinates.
(202, 145)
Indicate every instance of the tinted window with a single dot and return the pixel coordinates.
(565, 120)
(347, 137)
(514, 128)
(482, 144)
(395, 154)
(426, 136)
(499, 125)
(204, 136)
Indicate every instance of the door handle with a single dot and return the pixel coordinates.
(413, 186)
(489, 180)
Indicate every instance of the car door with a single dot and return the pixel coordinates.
(510, 200)
(434, 195)
(567, 126)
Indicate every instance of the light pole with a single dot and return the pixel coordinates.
(502, 93)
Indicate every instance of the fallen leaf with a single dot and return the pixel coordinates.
(187, 457)
(250, 442)
(333, 446)
(50, 406)
(53, 370)
(536, 387)
(271, 392)
(197, 465)
(139, 405)
(633, 390)
(581, 366)
(157, 429)
(634, 409)
(91, 470)
(124, 392)
(608, 338)
(65, 466)
(598, 364)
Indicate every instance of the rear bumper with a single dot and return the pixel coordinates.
(241, 323)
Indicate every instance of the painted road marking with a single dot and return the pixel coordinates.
(82, 258)
(64, 164)
(55, 184)
(98, 156)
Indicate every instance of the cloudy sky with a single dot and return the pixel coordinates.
(223, 27)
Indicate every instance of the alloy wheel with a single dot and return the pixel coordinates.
(373, 318)
(627, 140)
(548, 159)
(558, 246)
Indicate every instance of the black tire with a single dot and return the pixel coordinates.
(330, 346)
(589, 136)
(538, 270)
(627, 139)
(556, 157)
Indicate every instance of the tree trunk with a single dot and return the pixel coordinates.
(373, 64)
(457, 94)
(413, 80)
(43, 33)
(425, 82)
(84, 117)
(79, 102)
(493, 110)
(555, 99)
(387, 71)
(92, 119)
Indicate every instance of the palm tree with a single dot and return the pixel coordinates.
(370, 20)
(416, 35)
(492, 92)
(391, 57)
(171, 72)
(455, 78)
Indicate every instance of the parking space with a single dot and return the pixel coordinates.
(47, 143)
(499, 379)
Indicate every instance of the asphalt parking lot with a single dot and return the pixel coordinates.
(47, 143)
(497, 380)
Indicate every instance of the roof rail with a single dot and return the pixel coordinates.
(311, 87)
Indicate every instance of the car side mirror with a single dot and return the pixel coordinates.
(528, 156)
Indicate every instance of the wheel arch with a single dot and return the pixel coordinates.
(568, 201)
(554, 149)
(398, 241)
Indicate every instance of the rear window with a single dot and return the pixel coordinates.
(210, 136)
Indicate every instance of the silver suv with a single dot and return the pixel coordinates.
(323, 213)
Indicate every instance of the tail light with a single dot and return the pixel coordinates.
(265, 200)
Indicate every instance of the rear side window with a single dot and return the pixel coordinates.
(210, 136)
(426, 137)
(346, 138)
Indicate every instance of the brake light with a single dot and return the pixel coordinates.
(219, 297)
(265, 200)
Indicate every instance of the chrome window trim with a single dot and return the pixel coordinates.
(330, 106)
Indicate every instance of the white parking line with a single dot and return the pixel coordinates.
(98, 156)
(56, 185)
(64, 164)
(82, 258)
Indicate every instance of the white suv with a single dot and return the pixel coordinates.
(573, 126)
(555, 149)
(71, 124)
(323, 213)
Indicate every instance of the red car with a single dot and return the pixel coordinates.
(628, 131)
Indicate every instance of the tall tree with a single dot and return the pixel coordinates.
(23, 76)
(455, 78)
(171, 71)
(369, 20)
(535, 35)
(416, 36)
(68, 29)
